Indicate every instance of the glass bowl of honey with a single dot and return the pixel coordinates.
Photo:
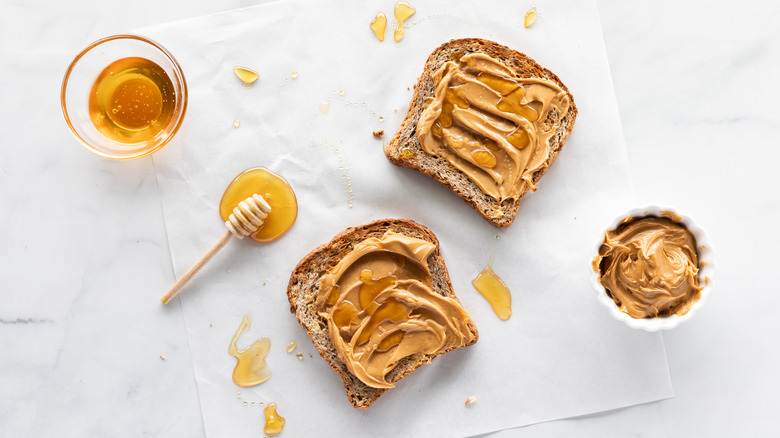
(124, 97)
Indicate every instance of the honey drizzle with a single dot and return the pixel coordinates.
(495, 291)
(274, 423)
(250, 366)
(402, 12)
(512, 93)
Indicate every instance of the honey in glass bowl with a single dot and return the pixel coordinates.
(132, 100)
(124, 97)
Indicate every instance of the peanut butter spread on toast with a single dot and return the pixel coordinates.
(380, 307)
(490, 124)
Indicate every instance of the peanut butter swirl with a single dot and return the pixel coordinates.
(650, 267)
(380, 307)
(490, 124)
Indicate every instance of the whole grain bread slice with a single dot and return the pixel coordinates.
(404, 149)
(304, 285)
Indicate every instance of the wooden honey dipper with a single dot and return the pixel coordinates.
(245, 220)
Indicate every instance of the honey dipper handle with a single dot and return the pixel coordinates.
(196, 267)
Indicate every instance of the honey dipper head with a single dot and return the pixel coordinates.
(248, 216)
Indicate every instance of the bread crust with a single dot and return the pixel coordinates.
(499, 214)
(304, 285)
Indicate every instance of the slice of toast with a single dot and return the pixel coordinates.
(305, 283)
(404, 149)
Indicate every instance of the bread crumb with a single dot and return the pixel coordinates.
(299, 356)
(470, 400)
(162, 357)
(379, 133)
(211, 325)
(227, 269)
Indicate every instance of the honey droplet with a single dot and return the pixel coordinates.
(342, 91)
(236, 123)
(247, 75)
(402, 12)
(294, 74)
(274, 423)
(530, 17)
(291, 346)
(495, 292)
(381, 119)
(484, 158)
(299, 356)
(324, 107)
(406, 154)
(378, 25)
(250, 366)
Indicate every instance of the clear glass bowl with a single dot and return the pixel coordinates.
(81, 75)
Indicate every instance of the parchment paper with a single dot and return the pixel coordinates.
(559, 355)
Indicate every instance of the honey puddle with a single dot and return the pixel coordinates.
(250, 367)
(495, 291)
(274, 189)
(274, 423)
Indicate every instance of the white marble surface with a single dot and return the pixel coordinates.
(83, 258)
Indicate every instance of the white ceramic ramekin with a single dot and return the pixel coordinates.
(706, 269)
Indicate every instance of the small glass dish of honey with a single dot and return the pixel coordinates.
(124, 97)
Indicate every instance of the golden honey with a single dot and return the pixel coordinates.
(247, 75)
(402, 12)
(274, 189)
(324, 107)
(274, 423)
(378, 25)
(530, 17)
(132, 100)
(512, 92)
(250, 366)
(291, 346)
(495, 292)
